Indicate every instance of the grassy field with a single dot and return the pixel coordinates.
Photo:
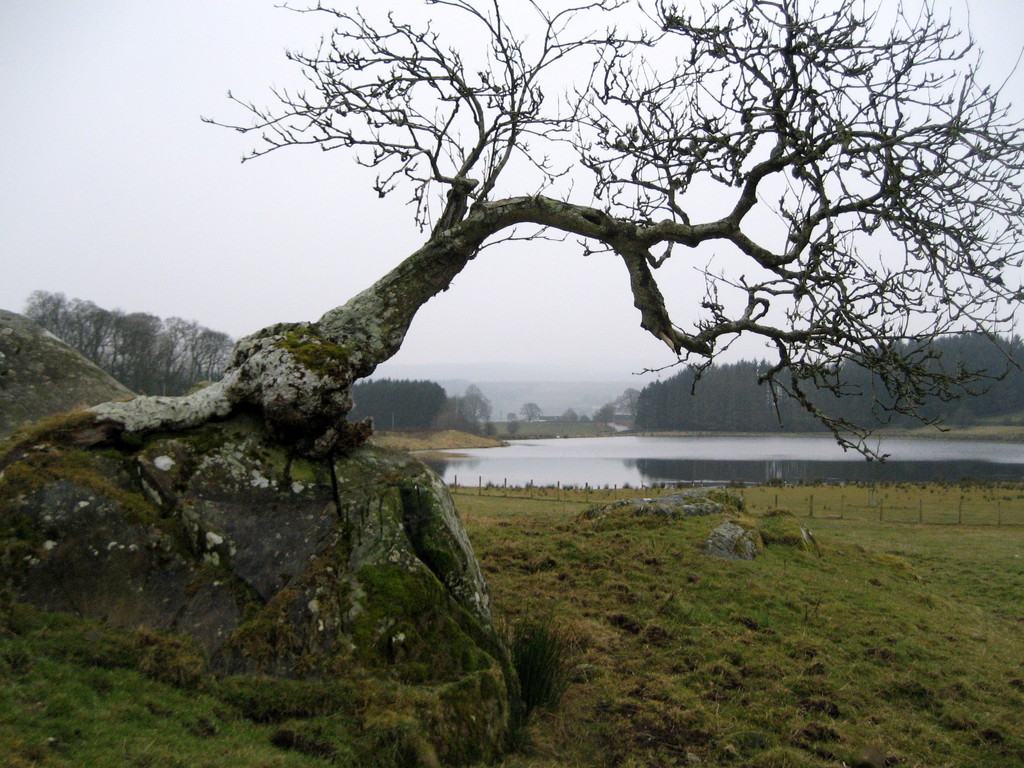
(893, 643)
(898, 643)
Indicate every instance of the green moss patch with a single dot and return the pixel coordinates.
(79, 467)
(315, 353)
(409, 627)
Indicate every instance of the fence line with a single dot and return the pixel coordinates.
(925, 504)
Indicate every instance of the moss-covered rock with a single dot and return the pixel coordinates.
(781, 528)
(278, 567)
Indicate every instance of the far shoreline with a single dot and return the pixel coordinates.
(424, 442)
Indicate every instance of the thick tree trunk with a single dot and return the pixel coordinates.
(299, 375)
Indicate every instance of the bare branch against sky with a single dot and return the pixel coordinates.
(114, 191)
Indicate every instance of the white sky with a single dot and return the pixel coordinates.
(112, 190)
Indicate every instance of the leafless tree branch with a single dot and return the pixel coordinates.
(867, 183)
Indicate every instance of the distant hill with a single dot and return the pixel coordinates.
(41, 376)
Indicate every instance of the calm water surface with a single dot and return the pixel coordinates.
(647, 460)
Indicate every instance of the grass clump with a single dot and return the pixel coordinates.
(540, 654)
(78, 693)
(81, 693)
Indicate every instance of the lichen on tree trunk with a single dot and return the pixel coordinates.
(299, 375)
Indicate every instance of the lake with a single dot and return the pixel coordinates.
(618, 461)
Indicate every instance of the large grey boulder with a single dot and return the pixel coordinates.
(732, 541)
(275, 565)
(40, 375)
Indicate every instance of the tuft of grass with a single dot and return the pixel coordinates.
(540, 654)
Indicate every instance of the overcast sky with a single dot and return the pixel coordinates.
(113, 190)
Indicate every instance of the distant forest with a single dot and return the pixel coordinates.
(398, 404)
(404, 404)
(145, 353)
(727, 397)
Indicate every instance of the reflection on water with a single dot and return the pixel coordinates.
(668, 471)
(649, 460)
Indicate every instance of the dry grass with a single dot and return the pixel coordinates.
(443, 440)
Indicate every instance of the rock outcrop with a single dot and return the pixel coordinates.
(732, 541)
(275, 565)
(41, 376)
(694, 502)
(740, 535)
(745, 537)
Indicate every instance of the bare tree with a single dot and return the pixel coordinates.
(143, 352)
(866, 183)
(470, 411)
(626, 402)
(474, 405)
(531, 411)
